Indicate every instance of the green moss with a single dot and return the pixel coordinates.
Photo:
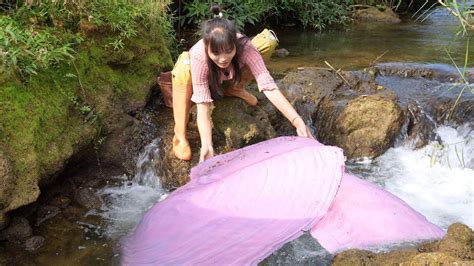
(41, 122)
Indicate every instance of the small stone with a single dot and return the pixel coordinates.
(34, 243)
(18, 231)
(282, 53)
(87, 198)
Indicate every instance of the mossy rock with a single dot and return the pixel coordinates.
(374, 14)
(60, 112)
(242, 125)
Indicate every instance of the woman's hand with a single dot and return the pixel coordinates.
(301, 129)
(205, 130)
(206, 153)
(282, 104)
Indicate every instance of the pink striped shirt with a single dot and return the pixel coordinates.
(199, 71)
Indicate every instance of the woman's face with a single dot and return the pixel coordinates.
(223, 59)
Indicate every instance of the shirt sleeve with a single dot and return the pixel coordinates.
(252, 58)
(199, 75)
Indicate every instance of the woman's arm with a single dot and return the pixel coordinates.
(205, 130)
(282, 104)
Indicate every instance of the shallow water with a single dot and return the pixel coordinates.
(359, 45)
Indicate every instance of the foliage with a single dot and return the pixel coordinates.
(40, 34)
(383, 4)
(26, 50)
(315, 14)
(241, 11)
(463, 11)
(318, 14)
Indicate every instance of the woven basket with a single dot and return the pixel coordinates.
(166, 87)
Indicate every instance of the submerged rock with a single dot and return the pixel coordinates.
(281, 53)
(34, 243)
(45, 213)
(86, 197)
(439, 72)
(18, 231)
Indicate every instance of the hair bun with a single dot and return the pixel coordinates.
(215, 9)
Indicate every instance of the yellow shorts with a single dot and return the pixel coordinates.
(265, 42)
(182, 72)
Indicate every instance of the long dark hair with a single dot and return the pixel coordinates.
(220, 35)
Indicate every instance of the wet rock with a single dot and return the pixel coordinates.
(86, 197)
(45, 213)
(439, 72)
(281, 53)
(94, 183)
(458, 242)
(419, 128)
(7, 182)
(18, 231)
(235, 125)
(112, 152)
(5, 222)
(173, 172)
(241, 124)
(34, 243)
(373, 14)
(127, 138)
(305, 89)
(446, 110)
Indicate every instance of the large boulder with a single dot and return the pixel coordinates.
(366, 127)
(347, 109)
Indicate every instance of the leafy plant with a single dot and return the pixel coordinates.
(315, 14)
(39, 34)
(240, 11)
(26, 50)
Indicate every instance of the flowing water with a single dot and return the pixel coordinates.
(437, 180)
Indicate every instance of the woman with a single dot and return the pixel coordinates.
(223, 55)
